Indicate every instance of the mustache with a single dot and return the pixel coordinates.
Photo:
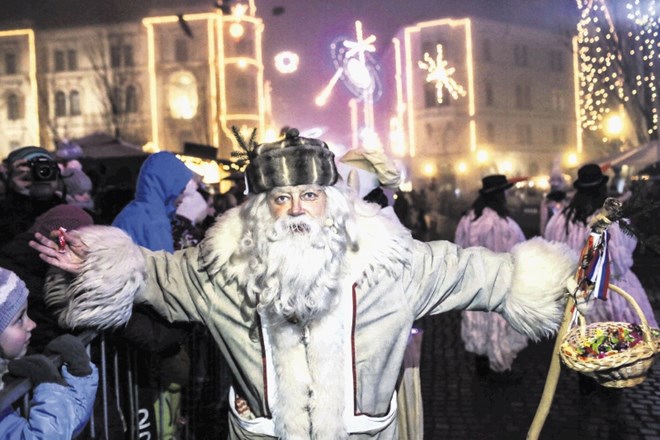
(303, 225)
(300, 228)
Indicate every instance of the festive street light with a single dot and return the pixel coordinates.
(440, 74)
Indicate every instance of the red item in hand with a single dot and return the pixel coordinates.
(61, 240)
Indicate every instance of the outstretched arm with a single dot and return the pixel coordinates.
(69, 257)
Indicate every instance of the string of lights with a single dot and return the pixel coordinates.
(618, 55)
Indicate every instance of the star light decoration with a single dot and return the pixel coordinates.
(355, 67)
(441, 75)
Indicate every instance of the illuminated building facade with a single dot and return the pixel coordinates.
(475, 97)
(166, 79)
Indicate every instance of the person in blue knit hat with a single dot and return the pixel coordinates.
(63, 397)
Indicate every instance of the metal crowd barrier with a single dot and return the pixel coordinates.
(209, 374)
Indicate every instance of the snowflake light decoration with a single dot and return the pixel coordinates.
(441, 75)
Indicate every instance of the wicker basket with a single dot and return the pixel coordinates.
(622, 369)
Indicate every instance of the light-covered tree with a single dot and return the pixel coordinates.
(619, 59)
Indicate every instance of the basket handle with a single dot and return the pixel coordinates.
(646, 330)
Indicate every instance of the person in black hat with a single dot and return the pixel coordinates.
(309, 292)
(571, 226)
(34, 186)
(494, 342)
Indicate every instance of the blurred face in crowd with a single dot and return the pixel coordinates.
(190, 188)
(21, 181)
(14, 340)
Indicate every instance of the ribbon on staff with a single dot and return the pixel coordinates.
(599, 269)
(593, 275)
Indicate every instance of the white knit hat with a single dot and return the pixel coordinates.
(13, 295)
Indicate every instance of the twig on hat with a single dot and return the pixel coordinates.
(248, 148)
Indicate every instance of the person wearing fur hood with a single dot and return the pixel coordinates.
(309, 292)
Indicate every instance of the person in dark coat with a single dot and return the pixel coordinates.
(33, 186)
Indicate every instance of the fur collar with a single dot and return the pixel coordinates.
(384, 245)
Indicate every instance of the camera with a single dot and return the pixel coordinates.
(43, 169)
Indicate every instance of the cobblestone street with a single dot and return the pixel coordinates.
(458, 404)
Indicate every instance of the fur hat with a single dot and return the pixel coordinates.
(29, 153)
(76, 181)
(494, 183)
(292, 161)
(13, 295)
(589, 176)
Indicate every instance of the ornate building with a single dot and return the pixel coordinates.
(168, 78)
(475, 96)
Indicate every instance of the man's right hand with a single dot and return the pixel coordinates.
(70, 258)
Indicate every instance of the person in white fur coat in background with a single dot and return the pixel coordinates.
(487, 334)
(309, 292)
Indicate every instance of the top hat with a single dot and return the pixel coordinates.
(589, 176)
(494, 183)
(295, 160)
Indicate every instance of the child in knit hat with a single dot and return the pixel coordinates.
(62, 398)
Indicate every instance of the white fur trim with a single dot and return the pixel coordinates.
(101, 296)
(384, 246)
(534, 307)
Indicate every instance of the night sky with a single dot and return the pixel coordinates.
(308, 27)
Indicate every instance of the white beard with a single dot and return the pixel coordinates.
(298, 275)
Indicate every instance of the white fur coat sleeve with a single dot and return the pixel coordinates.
(527, 286)
(535, 303)
(101, 295)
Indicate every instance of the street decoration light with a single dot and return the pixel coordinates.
(358, 70)
(440, 74)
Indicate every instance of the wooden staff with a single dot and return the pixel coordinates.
(609, 213)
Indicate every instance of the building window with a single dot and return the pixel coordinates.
(127, 50)
(556, 61)
(490, 132)
(13, 107)
(557, 100)
(131, 99)
(486, 50)
(60, 62)
(490, 96)
(74, 103)
(121, 55)
(523, 96)
(181, 51)
(60, 104)
(558, 135)
(10, 63)
(520, 55)
(72, 59)
(115, 56)
(431, 96)
(524, 134)
(182, 95)
(243, 93)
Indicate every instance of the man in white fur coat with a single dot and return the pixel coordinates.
(309, 292)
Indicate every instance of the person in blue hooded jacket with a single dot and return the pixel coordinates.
(161, 184)
(147, 219)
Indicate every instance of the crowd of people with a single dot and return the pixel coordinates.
(308, 287)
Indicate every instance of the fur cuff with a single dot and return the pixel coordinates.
(535, 305)
(101, 296)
